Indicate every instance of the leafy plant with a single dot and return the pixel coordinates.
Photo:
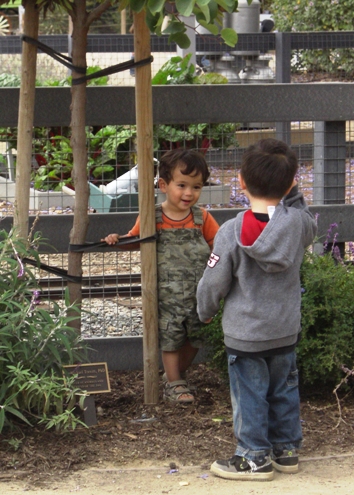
(35, 344)
(179, 70)
(11, 80)
(208, 14)
(327, 317)
(53, 157)
(301, 15)
(214, 337)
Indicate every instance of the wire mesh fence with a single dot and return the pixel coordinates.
(257, 57)
(113, 168)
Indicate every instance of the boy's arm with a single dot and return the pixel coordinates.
(295, 199)
(112, 239)
(210, 228)
(216, 280)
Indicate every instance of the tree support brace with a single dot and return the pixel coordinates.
(67, 61)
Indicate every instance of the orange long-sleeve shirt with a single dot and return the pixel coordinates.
(209, 227)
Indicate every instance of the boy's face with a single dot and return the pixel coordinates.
(183, 191)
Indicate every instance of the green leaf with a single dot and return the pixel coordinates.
(229, 36)
(206, 12)
(154, 21)
(180, 39)
(228, 5)
(155, 6)
(185, 7)
(213, 28)
(175, 27)
(2, 418)
(137, 5)
(17, 413)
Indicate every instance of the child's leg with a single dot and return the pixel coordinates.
(176, 363)
(176, 389)
(170, 361)
(249, 382)
(187, 353)
(284, 431)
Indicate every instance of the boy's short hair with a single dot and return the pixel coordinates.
(191, 162)
(268, 168)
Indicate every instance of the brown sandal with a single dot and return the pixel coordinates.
(192, 388)
(178, 392)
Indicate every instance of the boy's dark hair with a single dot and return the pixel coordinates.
(268, 168)
(191, 162)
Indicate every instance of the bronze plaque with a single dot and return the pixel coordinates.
(92, 378)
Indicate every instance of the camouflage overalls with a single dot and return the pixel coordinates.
(182, 255)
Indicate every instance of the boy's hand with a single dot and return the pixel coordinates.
(111, 239)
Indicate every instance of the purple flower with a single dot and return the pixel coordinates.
(34, 300)
(329, 235)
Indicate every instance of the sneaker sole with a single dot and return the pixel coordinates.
(245, 476)
(285, 469)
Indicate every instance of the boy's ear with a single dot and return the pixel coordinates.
(242, 182)
(162, 185)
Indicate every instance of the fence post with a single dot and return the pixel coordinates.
(329, 165)
(283, 75)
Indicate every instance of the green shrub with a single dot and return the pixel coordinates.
(214, 336)
(316, 15)
(327, 340)
(35, 344)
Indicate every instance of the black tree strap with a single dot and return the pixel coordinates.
(80, 248)
(53, 269)
(113, 69)
(67, 61)
(89, 246)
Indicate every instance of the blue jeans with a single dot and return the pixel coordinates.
(265, 403)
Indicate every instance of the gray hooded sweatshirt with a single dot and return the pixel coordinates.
(260, 284)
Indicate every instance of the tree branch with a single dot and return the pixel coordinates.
(97, 12)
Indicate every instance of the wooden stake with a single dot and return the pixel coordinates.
(144, 122)
(25, 120)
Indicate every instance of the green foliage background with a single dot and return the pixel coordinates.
(317, 15)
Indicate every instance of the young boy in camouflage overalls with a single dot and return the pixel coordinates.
(185, 238)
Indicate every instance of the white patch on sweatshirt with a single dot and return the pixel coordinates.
(214, 258)
(271, 210)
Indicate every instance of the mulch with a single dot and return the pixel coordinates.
(128, 431)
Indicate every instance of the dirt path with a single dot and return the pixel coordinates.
(317, 476)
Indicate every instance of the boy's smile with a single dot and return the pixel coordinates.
(182, 193)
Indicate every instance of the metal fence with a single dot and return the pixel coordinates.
(279, 51)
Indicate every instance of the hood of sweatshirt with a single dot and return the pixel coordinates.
(278, 244)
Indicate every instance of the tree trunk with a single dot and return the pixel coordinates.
(78, 144)
(25, 120)
(143, 101)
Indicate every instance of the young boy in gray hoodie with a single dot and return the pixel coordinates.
(255, 269)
